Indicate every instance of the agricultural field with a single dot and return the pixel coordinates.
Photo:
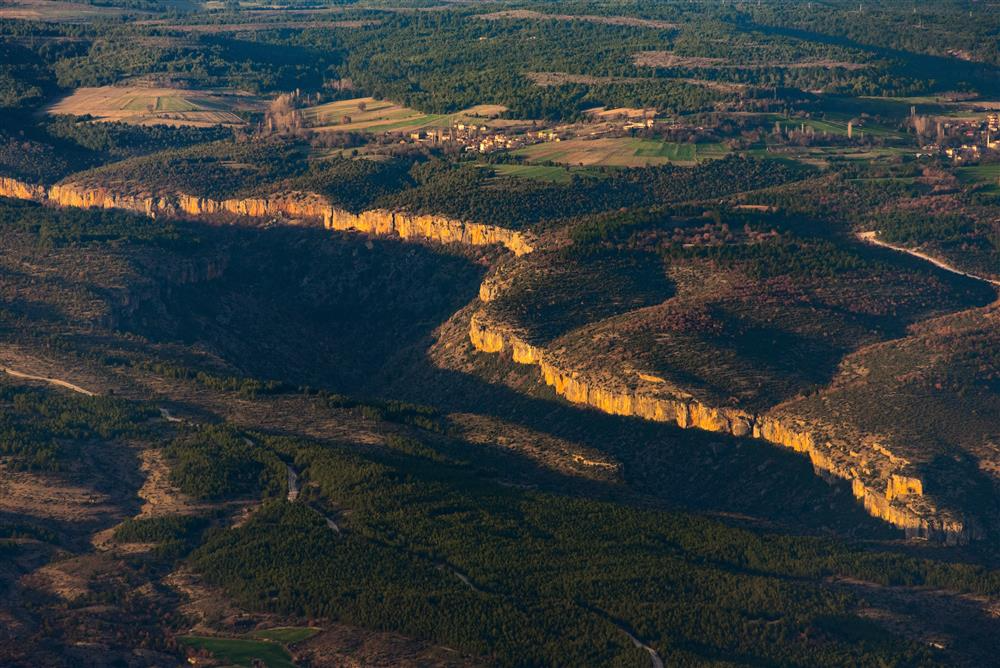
(943, 101)
(241, 652)
(835, 124)
(622, 152)
(369, 115)
(822, 156)
(56, 12)
(158, 106)
(527, 14)
(619, 112)
(988, 175)
(287, 635)
(550, 173)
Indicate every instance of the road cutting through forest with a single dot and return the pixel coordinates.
(870, 237)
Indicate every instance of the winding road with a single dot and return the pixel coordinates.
(293, 477)
(51, 381)
(654, 658)
(872, 238)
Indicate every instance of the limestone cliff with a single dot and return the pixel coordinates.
(20, 190)
(882, 482)
(382, 222)
(291, 206)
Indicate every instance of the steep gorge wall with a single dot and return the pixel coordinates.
(380, 222)
(895, 497)
(20, 190)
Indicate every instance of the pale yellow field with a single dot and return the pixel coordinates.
(386, 116)
(622, 112)
(591, 152)
(620, 152)
(53, 11)
(151, 106)
(485, 110)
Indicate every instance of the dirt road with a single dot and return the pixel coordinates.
(870, 237)
(51, 381)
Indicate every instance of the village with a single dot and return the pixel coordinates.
(483, 138)
(964, 141)
(961, 140)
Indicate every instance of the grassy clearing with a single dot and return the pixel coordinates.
(241, 652)
(287, 635)
(622, 152)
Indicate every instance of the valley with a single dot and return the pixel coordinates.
(366, 334)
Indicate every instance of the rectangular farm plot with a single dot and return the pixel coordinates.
(986, 175)
(151, 106)
(370, 115)
(550, 173)
(365, 114)
(622, 152)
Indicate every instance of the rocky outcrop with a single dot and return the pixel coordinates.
(101, 198)
(497, 282)
(20, 190)
(882, 482)
(382, 222)
(294, 206)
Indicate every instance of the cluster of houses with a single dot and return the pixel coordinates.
(964, 141)
(481, 138)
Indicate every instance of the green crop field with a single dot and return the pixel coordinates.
(241, 652)
(172, 103)
(549, 173)
(988, 175)
(836, 124)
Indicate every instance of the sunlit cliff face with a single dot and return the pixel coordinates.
(886, 494)
(294, 206)
(886, 491)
